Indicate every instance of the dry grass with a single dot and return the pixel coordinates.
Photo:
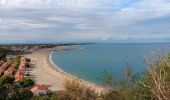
(75, 91)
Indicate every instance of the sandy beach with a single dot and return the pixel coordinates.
(44, 72)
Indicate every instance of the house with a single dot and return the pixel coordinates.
(9, 71)
(2, 69)
(19, 76)
(39, 90)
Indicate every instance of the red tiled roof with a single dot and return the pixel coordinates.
(39, 87)
(9, 71)
(19, 76)
(2, 68)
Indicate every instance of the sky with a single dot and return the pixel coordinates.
(65, 21)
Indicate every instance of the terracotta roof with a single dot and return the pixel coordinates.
(9, 71)
(5, 64)
(39, 87)
(2, 68)
(19, 76)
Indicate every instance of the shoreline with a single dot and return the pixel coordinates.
(92, 85)
(47, 73)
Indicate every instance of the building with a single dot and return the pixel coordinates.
(19, 76)
(9, 71)
(2, 69)
(39, 90)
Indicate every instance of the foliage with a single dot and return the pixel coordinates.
(2, 55)
(106, 78)
(4, 52)
(158, 78)
(75, 91)
(52, 96)
(19, 94)
(11, 92)
(71, 85)
(14, 72)
(9, 79)
(17, 59)
(7, 66)
(23, 94)
(26, 82)
(3, 92)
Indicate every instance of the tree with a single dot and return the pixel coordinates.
(3, 92)
(23, 94)
(9, 79)
(157, 81)
(7, 66)
(26, 82)
(2, 54)
(17, 59)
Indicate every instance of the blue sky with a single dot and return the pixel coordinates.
(23, 21)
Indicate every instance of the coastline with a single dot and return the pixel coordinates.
(98, 88)
(48, 73)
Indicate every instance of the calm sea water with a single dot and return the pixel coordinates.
(89, 61)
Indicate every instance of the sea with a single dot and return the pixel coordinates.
(89, 61)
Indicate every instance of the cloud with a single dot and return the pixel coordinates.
(48, 3)
(84, 20)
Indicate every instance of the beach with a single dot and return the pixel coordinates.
(43, 71)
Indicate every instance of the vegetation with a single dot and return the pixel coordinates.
(26, 82)
(6, 51)
(23, 94)
(7, 66)
(9, 79)
(12, 92)
(2, 54)
(75, 91)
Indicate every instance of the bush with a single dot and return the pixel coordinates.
(2, 54)
(26, 82)
(71, 85)
(75, 91)
(9, 79)
(49, 96)
(7, 66)
(19, 94)
(14, 72)
(23, 94)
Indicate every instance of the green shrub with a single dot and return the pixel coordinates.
(26, 82)
(7, 66)
(9, 79)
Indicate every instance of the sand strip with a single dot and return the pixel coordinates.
(44, 72)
